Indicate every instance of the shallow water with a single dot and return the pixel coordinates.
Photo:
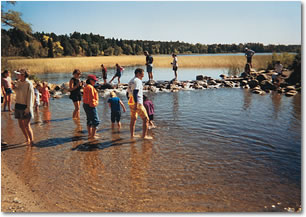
(213, 150)
(158, 74)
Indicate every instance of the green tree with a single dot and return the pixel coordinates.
(13, 19)
(50, 48)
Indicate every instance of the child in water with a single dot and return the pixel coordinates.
(45, 95)
(37, 96)
(114, 103)
(148, 104)
(6, 87)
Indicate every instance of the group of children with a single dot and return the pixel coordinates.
(91, 100)
(41, 92)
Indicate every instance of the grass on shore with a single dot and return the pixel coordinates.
(90, 64)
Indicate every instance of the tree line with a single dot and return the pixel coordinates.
(37, 45)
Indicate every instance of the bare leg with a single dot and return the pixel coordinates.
(113, 125)
(118, 80)
(22, 127)
(93, 132)
(89, 131)
(119, 125)
(132, 126)
(112, 79)
(29, 130)
(5, 102)
(9, 102)
(76, 112)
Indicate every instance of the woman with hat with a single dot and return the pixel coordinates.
(24, 104)
(90, 102)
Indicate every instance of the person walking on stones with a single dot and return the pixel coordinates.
(75, 86)
(135, 95)
(118, 74)
(24, 104)
(174, 65)
(6, 87)
(249, 54)
(104, 73)
(149, 64)
(114, 104)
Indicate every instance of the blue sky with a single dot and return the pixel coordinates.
(193, 22)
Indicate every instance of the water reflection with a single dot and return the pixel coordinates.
(247, 99)
(276, 102)
(175, 105)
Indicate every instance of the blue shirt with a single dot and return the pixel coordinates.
(115, 105)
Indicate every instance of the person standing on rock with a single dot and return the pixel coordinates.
(75, 86)
(135, 95)
(278, 68)
(249, 54)
(149, 64)
(104, 73)
(24, 104)
(174, 65)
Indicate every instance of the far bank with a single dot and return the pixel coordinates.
(85, 64)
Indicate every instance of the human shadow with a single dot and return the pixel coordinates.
(94, 145)
(48, 121)
(57, 141)
(5, 146)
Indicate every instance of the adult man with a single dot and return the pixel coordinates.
(249, 54)
(135, 95)
(149, 64)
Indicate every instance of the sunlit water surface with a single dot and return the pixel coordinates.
(213, 150)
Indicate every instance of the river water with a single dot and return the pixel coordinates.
(214, 150)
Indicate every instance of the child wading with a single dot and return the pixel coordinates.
(6, 87)
(114, 103)
(90, 102)
(45, 95)
(148, 104)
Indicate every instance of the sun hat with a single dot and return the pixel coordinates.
(93, 77)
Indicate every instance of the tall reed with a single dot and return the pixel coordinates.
(89, 64)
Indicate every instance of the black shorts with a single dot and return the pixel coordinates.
(174, 68)
(249, 59)
(104, 75)
(75, 98)
(151, 117)
(115, 116)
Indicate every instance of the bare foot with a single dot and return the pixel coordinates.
(148, 137)
(135, 136)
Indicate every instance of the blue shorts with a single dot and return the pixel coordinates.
(149, 68)
(92, 115)
(8, 91)
(115, 116)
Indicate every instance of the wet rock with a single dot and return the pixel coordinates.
(289, 88)
(262, 77)
(228, 84)
(200, 77)
(212, 82)
(291, 93)
(253, 83)
(223, 76)
(105, 86)
(267, 85)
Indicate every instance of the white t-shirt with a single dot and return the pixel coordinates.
(136, 84)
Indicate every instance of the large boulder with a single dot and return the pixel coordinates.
(267, 85)
(200, 77)
(253, 83)
(262, 77)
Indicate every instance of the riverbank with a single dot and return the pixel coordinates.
(91, 64)
(16, 196)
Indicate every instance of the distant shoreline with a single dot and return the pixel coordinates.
(85, 64)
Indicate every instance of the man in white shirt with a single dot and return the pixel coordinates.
(135, 92)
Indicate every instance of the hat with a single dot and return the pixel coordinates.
(16, 72)
(93, 77)
(246, 48)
